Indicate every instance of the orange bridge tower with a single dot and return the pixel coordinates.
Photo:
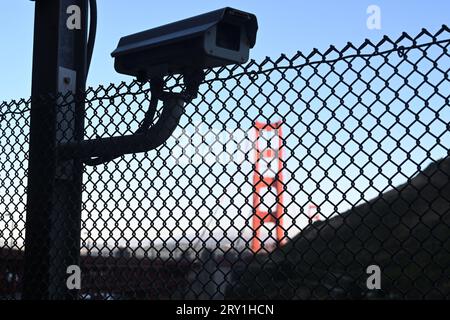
(268, 182)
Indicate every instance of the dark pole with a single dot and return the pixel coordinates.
(52, 241)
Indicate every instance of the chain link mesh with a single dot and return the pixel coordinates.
(365, 146)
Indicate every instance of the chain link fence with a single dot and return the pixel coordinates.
(363, 162)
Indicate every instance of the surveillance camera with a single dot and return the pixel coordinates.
(214, 39)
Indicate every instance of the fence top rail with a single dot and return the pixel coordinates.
(402, 45)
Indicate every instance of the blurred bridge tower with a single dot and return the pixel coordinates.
(268, 182)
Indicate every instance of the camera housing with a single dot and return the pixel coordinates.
(213, 39)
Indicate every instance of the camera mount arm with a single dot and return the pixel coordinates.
(148, 136)
(214, 39)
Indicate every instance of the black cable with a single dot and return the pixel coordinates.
(92, 33)
(148, 120)
(156, 89)
(90, 51)
(192, 82)
(143, 128)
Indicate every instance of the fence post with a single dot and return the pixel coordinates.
(53, 221)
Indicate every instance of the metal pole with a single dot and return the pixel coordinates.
(52, 241)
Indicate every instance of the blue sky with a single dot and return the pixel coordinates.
(285, 27)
